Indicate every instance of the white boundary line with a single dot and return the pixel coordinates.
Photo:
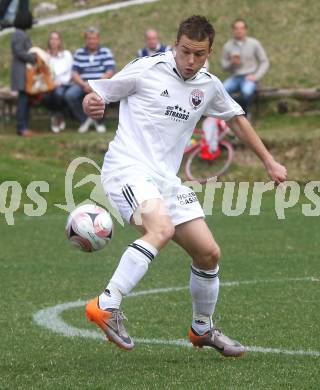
(83, 13)
(49, 318)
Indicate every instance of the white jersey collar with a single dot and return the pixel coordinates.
(170, 56)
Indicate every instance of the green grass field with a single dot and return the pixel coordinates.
(270, 272)
(275, 304)
(39, 269)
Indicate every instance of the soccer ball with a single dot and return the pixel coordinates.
(89, 227)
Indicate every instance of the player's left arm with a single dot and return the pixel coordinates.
(244, 130)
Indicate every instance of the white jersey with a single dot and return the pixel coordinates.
(158, 113)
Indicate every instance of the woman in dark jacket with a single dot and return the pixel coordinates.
(20, 45)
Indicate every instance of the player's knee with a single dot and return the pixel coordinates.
(216, 254)
(163, 232)
(210, 257)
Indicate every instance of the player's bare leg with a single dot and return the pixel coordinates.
(196, 238)
(153, 221)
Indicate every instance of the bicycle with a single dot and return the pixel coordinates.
(209, 145)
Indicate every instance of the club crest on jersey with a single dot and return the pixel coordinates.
(196, 98)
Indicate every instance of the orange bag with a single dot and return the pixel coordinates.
(39, 77)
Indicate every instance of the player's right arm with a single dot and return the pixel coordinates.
(93, 105)
(120, 86)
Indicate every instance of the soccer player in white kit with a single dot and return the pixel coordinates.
(162, 98)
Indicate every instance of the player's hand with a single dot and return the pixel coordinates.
(276, 171)
(93, 106)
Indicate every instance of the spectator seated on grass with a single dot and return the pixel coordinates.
(153, 44)
(246, 60)
(60, 61)
(90, 63)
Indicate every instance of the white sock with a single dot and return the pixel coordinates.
(131, 269)
(111, 297)
(204, 289)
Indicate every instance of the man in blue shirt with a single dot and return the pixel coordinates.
(153, 44)
(91, 62)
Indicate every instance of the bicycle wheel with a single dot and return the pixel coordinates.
(194, 141)
(201, 170)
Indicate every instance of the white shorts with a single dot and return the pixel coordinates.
(127, 192)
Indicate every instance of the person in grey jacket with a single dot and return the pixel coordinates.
(20, 44)
(246, 60)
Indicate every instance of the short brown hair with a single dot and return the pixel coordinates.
(239, 20)
(197, 28)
